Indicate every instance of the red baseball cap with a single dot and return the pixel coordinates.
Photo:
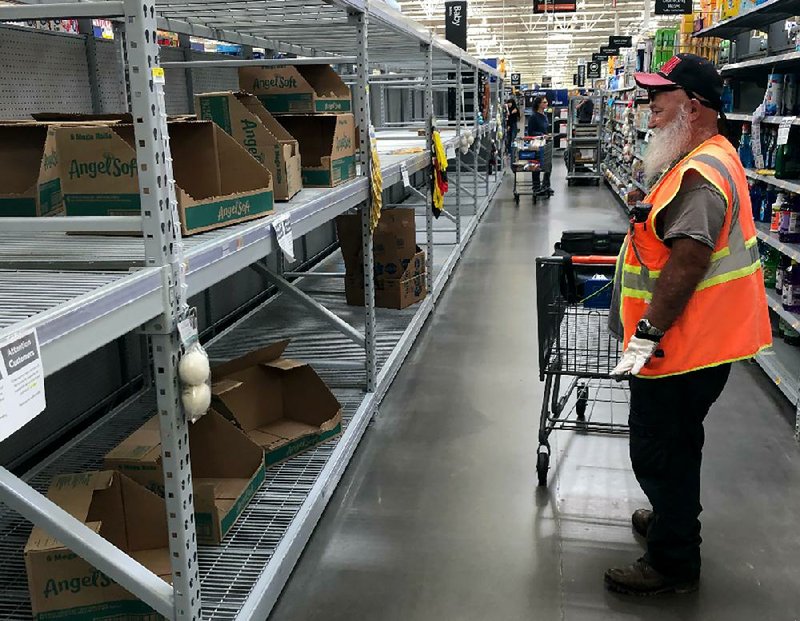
(694, 74)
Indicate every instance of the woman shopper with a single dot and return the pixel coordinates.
(538, 126)
(512, 125)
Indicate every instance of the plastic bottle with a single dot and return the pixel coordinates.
(727, 96)
(777, 208)
(770, 259)
(790, 233)
(755, 199)
(774, 97)
(789, 94)
(746, 147)
(791, 288)
(790, 335)
(780, 273)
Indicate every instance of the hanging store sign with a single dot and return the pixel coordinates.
(555, 6)
(547, 81)
(516, 79)
(581, 75)
(21, 382)
(609, 50)
(593, 70)
(455, 24)
(673, 7)
(598, 57)
(620, 41)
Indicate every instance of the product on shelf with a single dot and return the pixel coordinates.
(280, 404)
(791, 288)
(789, 106)
(789, 229)
(780, 272)
(327, 147)
(301, 89)
(745, 147)
(770, 259)
(64, 586)
(727, 96)
(242, 116)
(227, 469)
(399, 264)
(787, 160)
(773, 102)
(789, 334)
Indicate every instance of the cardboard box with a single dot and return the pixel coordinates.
(242, 116)
(62, 585)
(303, 89)
(281, 404)
(91, 170)
(395, 293)
(21, 156)
(399, 264)
(227, 469)
(327, 147)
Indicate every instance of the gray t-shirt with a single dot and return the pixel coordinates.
(697, 211)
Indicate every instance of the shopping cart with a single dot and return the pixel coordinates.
(573, 297)
(526, 158)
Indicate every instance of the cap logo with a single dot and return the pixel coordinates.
(670, 65)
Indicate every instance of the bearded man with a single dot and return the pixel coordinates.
(689, 300)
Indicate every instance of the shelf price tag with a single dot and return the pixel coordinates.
(21, 382)
(404, 175)
(282, 226)
(158, 75)
(784, 128)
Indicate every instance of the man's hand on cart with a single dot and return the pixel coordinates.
(642, 346)
(635, 356)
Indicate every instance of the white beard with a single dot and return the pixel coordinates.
(667, 144)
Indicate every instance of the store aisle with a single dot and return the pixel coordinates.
(438, 517)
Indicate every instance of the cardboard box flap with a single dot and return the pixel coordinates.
(288, 429)
(256, 108)
(325, 81)
(285, 364)
(257, 399)
(157, 561)
(224, 489)
(225, 385)
(74, 117)
(74, 492)
(265, 439)
(40, 541)
(21, 150)
(239, 171)
(194, 158)
(307, 399)
(145, 517)
(264, 354)
(144, 444)
(315, 135)
(216, 439)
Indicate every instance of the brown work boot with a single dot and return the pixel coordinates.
(641, 519)
(641, 579)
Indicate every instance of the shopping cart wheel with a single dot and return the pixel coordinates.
(542, 465)
(583, 399)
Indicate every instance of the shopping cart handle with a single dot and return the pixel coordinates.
(594, 260)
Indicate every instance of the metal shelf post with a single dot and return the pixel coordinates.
(477, 144)
(163, 248)
(459, 109)
(427, 49)
(361, 97)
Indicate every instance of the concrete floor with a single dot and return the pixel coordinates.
(438, 517)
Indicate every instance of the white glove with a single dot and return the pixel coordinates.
(634, 357)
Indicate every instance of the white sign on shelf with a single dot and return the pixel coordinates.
(450, 152)
(21, 382)
(404, 175)
(784, 128)
(283, 232)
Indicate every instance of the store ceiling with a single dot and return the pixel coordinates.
(537, 45)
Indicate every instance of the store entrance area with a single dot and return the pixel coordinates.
(439, 517)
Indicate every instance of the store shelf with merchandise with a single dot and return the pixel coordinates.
(746, 77)
(79, 292)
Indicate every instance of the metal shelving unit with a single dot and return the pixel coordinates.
(782, 363)
(96, 301)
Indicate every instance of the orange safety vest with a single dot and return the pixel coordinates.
(726, 318)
